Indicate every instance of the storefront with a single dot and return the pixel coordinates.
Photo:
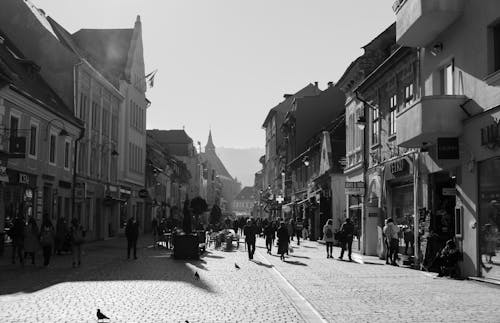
(489, 217)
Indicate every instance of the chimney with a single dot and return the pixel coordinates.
(330, 84)
(286, 96)
(316, 84)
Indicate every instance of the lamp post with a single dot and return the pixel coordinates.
(62, 133)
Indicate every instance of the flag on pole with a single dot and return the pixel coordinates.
(150, 78)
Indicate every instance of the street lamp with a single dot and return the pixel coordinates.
(62, 133)
(361, 122)
(306, 161)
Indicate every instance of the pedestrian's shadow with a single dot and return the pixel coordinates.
(260, 263)
(309, 247)
(302, 257)
(295, 262)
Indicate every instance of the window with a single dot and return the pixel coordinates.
(14, 125)
(114, 127)
(83, 107)
(66, 154)
(33, 140)
(375, 127)
(95, 117)
(105, 122)
(408, 94)
(446, 74)
(392, 115)
(52, 149)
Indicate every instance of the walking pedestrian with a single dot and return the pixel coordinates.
(283, 240)
(47, 237)
(391, 234)
(328, 238)
(154, 229)
(61, 232)
(298, 230)
(269, 235)
(31, 243)
(347, 234)
(17, 232)
(77, 240)
(250, 230)
(291, 228)
(132, 234)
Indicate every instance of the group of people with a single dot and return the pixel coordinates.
(28, 239)
(270, 232)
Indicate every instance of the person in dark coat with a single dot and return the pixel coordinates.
(250, 230)
(132, 234)
(47, 240)
(283, 240)
(31, 243)
(347, 234)
(269, 235)
(17, 233)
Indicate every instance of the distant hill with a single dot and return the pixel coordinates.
(241, 163)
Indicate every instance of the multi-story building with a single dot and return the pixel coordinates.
(453, 125)
(37, 137)
(91, 96)
(243, 203)
(275, 157)
(315, 141)
(368, 225)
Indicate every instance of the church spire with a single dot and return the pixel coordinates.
(210, 143)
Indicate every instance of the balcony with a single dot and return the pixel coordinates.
(419, 22)
(430, 118)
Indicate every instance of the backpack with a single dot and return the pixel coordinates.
(329, 233)
(46, 238)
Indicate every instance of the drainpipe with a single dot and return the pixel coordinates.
(82, 134)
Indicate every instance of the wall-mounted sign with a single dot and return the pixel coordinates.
(399, 167)
(447, 148)
(24, 178)
(490, 135)
(355, 188)
(449, 191)
(143, 193)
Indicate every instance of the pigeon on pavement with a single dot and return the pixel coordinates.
(236, 266)
(196, 276)
(101, 316)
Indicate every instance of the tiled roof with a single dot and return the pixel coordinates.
(175, 136)
(247, 193)
(211, 157)
(23, 75)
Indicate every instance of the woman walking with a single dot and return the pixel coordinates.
(328, 237)
(47, 236)
(283, 240)
(77, 239)
(31, 243)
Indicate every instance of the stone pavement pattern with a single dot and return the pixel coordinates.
(373, 292)
(157, 288)
(154, 288)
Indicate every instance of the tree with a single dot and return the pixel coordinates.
(199, 206)
(215, 215)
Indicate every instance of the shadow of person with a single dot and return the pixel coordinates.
(260, 263)
(295, 262)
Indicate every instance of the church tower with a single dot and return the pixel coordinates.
(210, 144)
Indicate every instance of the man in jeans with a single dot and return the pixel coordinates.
(347, 233)
(392, 241)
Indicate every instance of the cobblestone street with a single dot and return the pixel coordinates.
(157, 288)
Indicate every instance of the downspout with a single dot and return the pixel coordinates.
(82, 134)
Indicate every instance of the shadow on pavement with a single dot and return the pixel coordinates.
(309, 247)
(295, 262)
(302, 257)
(102, 261)
(260, 263)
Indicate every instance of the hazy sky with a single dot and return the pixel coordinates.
(225, 63)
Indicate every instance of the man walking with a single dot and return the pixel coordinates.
(250, 231)
(347, 233)
(132, 233)
(269, 235)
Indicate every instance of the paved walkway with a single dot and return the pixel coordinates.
(308, 287)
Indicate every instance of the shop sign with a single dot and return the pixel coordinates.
(449, 191)
(399, 167)
(373, 215)
(143, 193)
(490, 135)
(355, 188)
(24, 178)
(447, 148)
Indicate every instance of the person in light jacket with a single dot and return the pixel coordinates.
(328, 237)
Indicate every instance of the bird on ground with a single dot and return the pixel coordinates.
(236, 266)
(101, 316)
(196, 276)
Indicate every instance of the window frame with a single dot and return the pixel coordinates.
(375, 128)
(67, 154)
(393, 108)
(34, 124)
(447, 72)
(52, 134)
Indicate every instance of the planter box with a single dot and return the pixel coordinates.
(186, 246)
